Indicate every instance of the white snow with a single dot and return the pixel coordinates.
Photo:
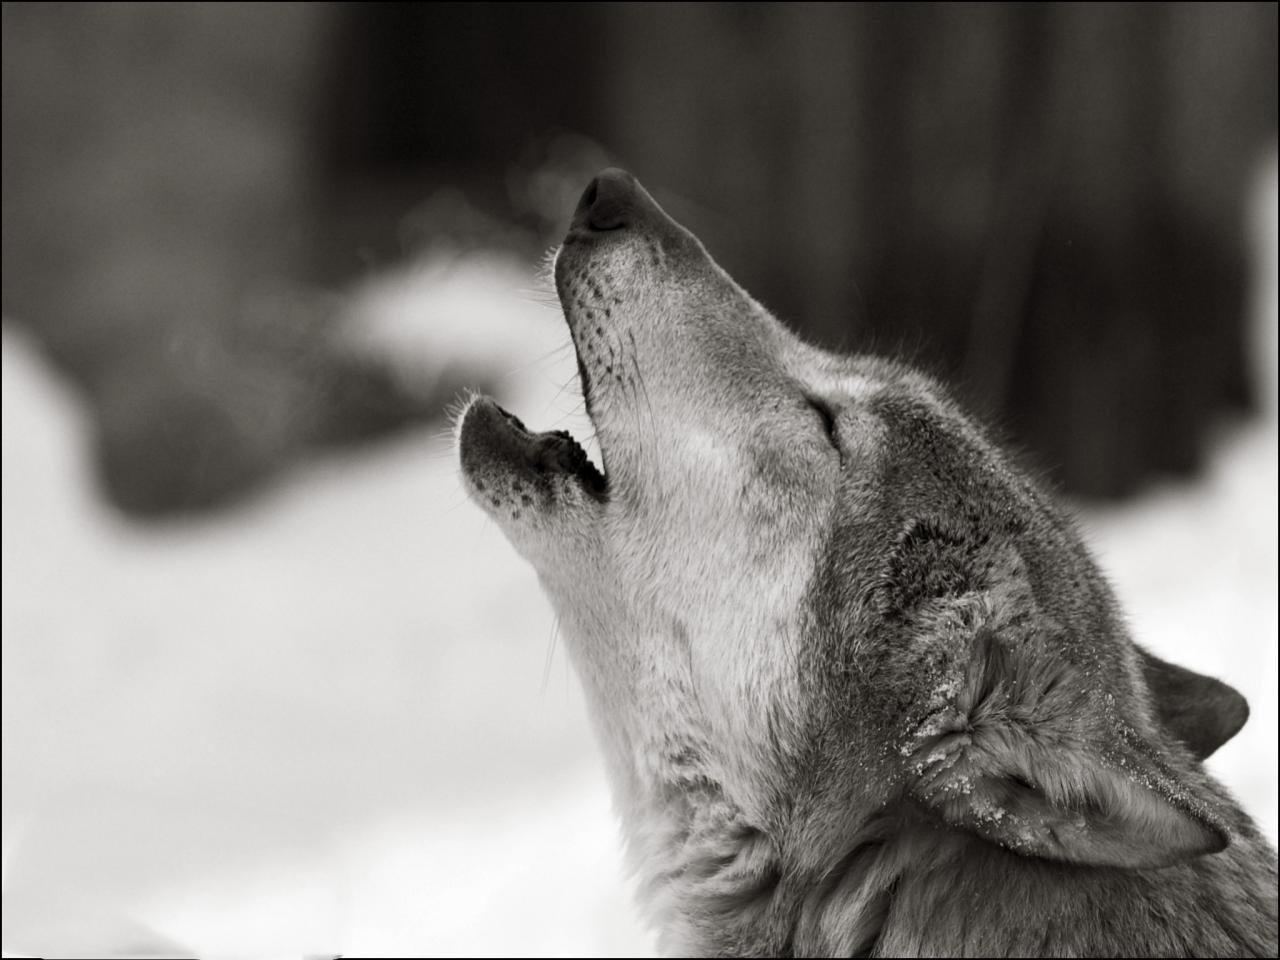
(333, 720)
(336, 719)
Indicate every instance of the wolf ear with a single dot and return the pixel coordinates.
(1202, 712)
(1026, 756)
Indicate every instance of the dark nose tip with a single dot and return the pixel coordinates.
(610, 201)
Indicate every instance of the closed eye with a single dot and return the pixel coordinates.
(828, 417)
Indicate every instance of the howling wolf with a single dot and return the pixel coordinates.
(860, 687)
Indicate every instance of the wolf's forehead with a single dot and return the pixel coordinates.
(848, 385)
(850, 377)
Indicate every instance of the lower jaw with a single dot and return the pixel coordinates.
(499, 435)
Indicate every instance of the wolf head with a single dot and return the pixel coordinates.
(812, 603)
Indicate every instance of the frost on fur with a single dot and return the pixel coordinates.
(1027, 757)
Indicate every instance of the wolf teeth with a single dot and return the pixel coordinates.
(560, 450)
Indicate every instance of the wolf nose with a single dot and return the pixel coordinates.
(610, 202)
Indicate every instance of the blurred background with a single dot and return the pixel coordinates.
(270, 684)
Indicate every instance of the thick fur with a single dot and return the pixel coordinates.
(860, 686)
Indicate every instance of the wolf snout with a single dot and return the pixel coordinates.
(613, 200)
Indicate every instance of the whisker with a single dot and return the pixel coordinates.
(551, 652)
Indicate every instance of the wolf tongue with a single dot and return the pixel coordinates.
(513, 419)
(563, 450)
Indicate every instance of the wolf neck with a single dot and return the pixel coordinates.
(716, 886)
(708, 877)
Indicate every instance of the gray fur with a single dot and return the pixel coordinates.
(863, 693)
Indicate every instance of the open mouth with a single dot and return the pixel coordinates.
(501, 456)
(511, 468)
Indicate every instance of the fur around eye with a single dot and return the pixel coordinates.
(828, 418)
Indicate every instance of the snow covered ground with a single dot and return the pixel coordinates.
(337, 719)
